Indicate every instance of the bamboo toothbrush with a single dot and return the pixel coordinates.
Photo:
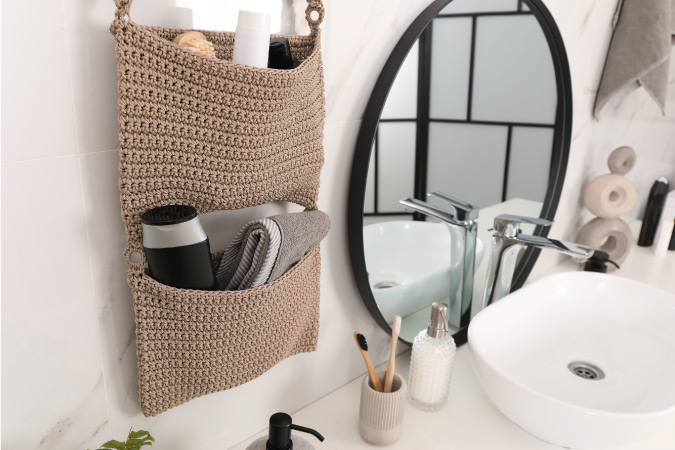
(363, 346)
(389, 377)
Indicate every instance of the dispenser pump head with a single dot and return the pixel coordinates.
(598, 262)
(438, 327)
(279, 437)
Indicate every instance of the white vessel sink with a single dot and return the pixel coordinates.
(532, 350)
(408, 264)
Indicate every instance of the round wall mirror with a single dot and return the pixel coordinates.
(474, 102)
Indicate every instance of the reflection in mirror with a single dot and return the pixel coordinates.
(472, 112)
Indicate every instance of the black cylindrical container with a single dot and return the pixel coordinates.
(177, 248)
(652, 217)
(280, 56)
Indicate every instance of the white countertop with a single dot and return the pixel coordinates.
(469, 421)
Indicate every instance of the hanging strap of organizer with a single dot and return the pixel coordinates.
(314, 6)
(314, 13)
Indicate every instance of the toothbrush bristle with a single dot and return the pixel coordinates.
(397, 324)
(361, 340)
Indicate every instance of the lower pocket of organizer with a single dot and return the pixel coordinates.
(192, 343)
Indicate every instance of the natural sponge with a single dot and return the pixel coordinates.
(197, 42)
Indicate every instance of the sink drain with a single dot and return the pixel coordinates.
(385, 285)
(586, 370)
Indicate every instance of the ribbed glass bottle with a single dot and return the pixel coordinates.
(431, 370)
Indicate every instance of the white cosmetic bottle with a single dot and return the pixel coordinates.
(433, 355)
(252, 39)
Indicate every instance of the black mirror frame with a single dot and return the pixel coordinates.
(371, 117)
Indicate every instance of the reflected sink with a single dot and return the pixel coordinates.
(581, 360)
(408, 264)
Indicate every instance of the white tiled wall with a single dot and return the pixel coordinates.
(68, 348)
(586, 28)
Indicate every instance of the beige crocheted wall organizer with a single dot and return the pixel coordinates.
(218, 136)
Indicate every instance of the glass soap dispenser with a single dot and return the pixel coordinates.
(433, 354)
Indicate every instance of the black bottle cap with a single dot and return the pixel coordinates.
(169, 215)
(279, 436)
(598, 262)
(280, 56)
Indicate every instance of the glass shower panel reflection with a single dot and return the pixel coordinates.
(514, 80)
(402, 99)
(395, 164)
(467, 161)
(369, 199)
(529, 163)
(478, 6)
(450, 68)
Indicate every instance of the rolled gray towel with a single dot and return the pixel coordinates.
(265, 249)
(639, 54)
(250, 257)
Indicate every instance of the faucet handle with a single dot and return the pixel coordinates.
(509, 224)
(463, 210)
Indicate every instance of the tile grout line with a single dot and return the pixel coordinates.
(94, 303)
(46, 158)
(94, 296)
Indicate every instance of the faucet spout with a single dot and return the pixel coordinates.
(578, 252)
(460, 223)
(429, 210)
(508, 241)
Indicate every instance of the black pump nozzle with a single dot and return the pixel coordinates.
(279, 437)
(315, 433)
(598, 262)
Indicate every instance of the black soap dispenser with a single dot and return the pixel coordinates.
(598, 262)
(279, 435)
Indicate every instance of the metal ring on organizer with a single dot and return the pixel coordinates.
(135, 263)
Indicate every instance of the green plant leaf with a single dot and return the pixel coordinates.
(135, 440)
(138, 434)
(134, 444)
(117, 445)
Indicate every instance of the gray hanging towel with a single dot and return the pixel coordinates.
(265, 249)
(639, 54)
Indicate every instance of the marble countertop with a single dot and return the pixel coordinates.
(469, 421)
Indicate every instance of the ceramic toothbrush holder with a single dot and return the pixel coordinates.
(380, 414)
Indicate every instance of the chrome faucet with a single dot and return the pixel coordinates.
(462, 248)
(506, 245)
